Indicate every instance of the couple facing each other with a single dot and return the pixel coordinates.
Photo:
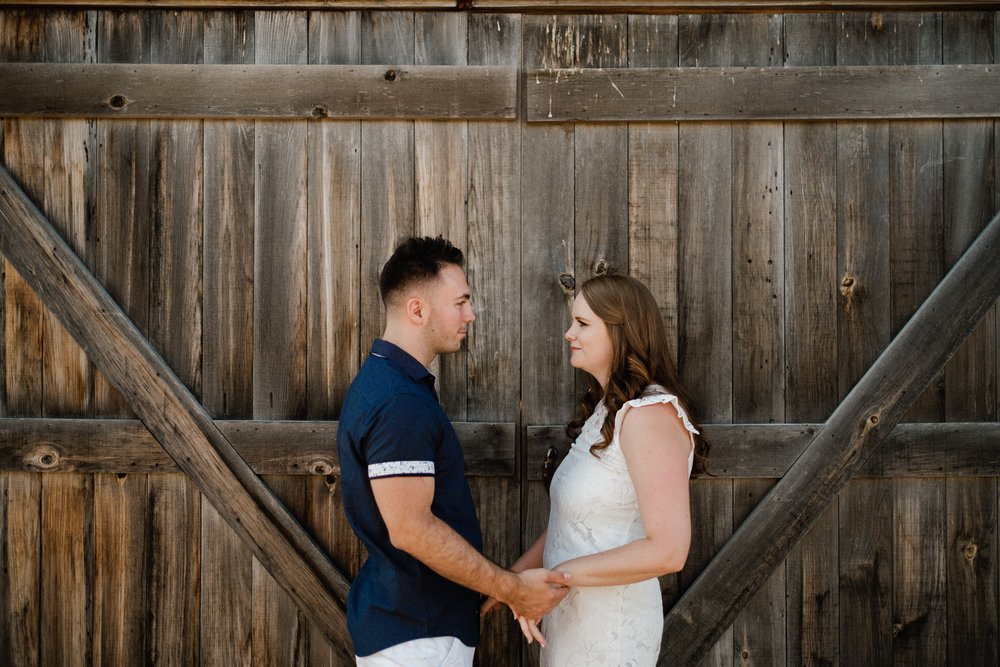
(619, 515)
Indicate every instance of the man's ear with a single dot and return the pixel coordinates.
(415, 309)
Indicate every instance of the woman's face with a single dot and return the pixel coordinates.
(589, 342)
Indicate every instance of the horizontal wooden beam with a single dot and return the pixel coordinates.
(853, 432)
(172, 414)
(547, 6)
(280, 447)
(258, 91)
(763, 93)
(722, 6)
(309, 448)
(767, 451)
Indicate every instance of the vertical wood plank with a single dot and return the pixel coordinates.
(120, 238)
(121, 202)
(23, 325)
(280, 321)
(69, 143)
(547, 267)
(334, 228)
(387, 168)
(66, 548)
(600, 207)
(969, 187)
(758, 317)
(652, 177)
(23, 41)
(705, 291)
(494, 346)
(916, 204)
(227, 353)
(66, 376)
(971, 571)
(811, 392)
(705, 343)
(20, 393)
(175, 328)
(334, 276)
(919, 593)
(120, 530)
(759, 629)
(863, 331)
(712, 524)
(20, 556)
(917, 246)
(758, 245)
(173, 627)
(969, 193)
(866, 573)
(652, 197)
(47, 594)
(441, 180)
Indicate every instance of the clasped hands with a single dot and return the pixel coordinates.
(536, 593)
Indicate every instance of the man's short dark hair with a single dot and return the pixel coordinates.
(415, 260)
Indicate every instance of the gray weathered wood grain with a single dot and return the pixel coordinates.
(863, 419)
(116, 345)
(276, 447)
(707, 93)
(970, 378)
(392, 90)
(227, 340)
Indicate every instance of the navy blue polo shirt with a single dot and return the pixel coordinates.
(391, 424)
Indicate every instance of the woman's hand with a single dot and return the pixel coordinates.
(488, 605)
(529, 628)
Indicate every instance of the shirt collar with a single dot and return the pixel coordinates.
(403, 360)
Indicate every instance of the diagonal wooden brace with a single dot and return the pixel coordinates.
(840, 448)
(171, 413)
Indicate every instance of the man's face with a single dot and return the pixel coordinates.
(450, 311)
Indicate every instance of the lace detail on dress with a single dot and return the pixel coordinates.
(595, 508)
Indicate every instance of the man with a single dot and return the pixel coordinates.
(416, 599)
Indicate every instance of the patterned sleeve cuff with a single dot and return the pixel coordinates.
(400, 468)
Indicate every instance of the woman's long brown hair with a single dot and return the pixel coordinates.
(640, 357)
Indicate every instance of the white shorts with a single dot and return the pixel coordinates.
(429, 652)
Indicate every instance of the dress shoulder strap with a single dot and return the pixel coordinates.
(656, 394)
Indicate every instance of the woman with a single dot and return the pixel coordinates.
(620, 513)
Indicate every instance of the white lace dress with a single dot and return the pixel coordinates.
(594, 508)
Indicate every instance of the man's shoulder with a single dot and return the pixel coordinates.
(380, 392)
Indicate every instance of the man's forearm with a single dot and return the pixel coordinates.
(435, 544)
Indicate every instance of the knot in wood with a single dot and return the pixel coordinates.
(567, 281)
(873, 419)
(390, 75)
(118, 101)
(43, 458)
(320, 468)
(601, 267)
(878, 22)
(848, 290)
(970, 551)
(320, 111)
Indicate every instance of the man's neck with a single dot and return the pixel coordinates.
(409, 344)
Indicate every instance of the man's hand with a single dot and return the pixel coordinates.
(538, 591)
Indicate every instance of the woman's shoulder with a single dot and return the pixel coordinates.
(656, 395)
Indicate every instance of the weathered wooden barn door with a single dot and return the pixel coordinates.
(785, 254)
